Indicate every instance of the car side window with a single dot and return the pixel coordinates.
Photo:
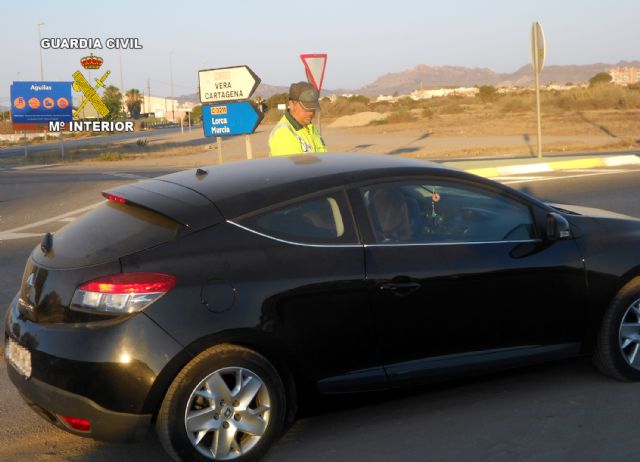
(432, 212)
(319, 220)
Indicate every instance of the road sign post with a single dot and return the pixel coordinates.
(248, 147)
(537, 54)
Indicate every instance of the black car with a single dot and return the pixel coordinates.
(207, 301)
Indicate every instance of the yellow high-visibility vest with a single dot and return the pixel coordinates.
(289, 137)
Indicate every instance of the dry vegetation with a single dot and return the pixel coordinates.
(603, 111)
(129, 150)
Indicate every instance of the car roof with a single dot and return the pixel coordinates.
(242, 187)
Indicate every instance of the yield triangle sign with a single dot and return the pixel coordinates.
(314, 65)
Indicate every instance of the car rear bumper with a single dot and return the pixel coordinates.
(112, 374)
(50, 403)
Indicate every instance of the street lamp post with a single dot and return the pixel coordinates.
(40, 48)
(173, 109)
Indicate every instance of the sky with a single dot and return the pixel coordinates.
(363, 39)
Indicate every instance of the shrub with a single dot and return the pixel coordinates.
(600, 78)
(344, 106)
(407, 102)
(378, 122)
(452, 108)
(359, 99)
(108, 156)
(278, 98)
(400, 116)
(597, 97)
(516, 104)
(487, 93)
(427, 113)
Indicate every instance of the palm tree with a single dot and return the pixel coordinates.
(133, 102)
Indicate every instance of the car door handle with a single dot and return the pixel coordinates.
(399, 288)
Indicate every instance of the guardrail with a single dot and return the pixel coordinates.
(147, 126)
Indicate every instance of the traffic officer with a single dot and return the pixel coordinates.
(294, 133)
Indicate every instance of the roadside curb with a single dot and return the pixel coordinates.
(31, 167)
(539, 167)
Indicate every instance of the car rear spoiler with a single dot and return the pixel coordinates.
(179, 203)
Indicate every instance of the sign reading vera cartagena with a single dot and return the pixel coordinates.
(227, 84)
(34, 104)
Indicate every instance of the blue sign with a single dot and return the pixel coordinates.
(239, 118)
(41, 102)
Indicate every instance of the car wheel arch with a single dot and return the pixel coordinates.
(606, 356)
(291, 375)
(596, 312)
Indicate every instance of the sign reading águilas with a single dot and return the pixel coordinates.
(227, 84)
(35, 104)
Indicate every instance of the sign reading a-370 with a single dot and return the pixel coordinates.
(227, 84)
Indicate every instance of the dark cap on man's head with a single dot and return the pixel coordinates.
(306, 94)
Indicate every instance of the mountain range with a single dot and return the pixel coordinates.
(423, 76)
(452, 76)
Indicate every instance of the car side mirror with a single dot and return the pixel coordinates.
(557, 227)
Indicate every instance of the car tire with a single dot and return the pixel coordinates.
(617, 351)
(228, 403)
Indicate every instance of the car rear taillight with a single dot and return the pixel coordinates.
(75, 423)
(114, 198)
(121, 293)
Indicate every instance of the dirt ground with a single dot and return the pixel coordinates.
(438, 137)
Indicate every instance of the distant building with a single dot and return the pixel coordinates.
(559, 87)
(624, 75)
(386, 98)
(167, 108)
(427, 94)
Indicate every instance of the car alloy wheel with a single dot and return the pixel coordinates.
(617, 351)
(227, 413)
(629, 335)
(227, 403)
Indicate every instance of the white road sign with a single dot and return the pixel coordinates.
(315, 65)
(538, 46)
(227, 84)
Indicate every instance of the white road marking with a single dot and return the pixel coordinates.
(4, 236)
(562, 177)
(519, 177)
(587, 170)
(15, 232)
(133, 176)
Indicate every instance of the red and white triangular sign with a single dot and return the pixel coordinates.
(314, 65)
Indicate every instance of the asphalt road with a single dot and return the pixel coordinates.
(76, 142)
(554, 412)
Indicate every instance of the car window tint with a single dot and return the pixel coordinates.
(318, 220)
(443, 212)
